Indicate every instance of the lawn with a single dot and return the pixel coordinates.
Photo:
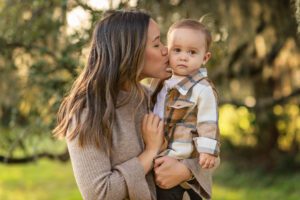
(49, 180)
(44, 180)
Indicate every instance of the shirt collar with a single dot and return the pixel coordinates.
(189, 81)
(174, 80)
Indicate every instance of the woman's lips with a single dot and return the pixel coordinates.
(169, 69)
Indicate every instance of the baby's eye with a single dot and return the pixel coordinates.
(192, 52)
(176, 50)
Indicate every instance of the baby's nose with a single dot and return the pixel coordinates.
(183, 56)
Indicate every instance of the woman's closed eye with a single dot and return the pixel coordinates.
(157, 45)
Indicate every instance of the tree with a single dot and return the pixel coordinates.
(38, 62)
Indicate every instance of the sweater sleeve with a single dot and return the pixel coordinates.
(98, 179)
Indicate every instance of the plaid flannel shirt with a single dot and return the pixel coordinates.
(191, 113)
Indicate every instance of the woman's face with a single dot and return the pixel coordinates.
(156, 55)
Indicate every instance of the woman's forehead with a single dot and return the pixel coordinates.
(153, 30)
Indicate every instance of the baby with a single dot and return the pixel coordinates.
(188, 100)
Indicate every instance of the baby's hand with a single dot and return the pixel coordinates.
(207, 161)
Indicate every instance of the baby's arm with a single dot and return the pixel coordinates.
(207, 127)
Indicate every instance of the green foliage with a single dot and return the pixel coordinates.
(38, 63)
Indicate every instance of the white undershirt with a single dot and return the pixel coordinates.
(161, 97)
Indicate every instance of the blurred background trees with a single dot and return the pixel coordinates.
(255, 65)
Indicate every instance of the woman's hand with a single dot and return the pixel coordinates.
(152, 130)
(169, 172)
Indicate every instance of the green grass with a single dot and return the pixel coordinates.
(234, 184)
(49, 180)
(44, 180)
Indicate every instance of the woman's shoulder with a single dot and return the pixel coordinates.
(75, 120)
(147, 89)
(153, 86)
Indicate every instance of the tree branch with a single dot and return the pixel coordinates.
(268, 102)
(85, 6)
(4, 45)
(63, 157)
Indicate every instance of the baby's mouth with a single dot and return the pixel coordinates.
(184, 66)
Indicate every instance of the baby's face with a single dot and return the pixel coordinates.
(187, 50)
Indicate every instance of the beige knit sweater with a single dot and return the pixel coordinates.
(120, 175)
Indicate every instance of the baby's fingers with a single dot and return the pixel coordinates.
(202, 161)
(211, 164)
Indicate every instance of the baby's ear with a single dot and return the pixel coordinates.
(206, 57)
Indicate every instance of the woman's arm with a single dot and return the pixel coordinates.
(170, 172)
(152, 129)
(97, 179)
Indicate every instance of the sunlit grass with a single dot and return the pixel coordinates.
(45, 180)
(48, 180)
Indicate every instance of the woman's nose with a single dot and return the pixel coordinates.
(164, 51)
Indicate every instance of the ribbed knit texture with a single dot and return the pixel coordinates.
(119, 176)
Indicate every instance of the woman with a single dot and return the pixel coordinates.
(111, 139)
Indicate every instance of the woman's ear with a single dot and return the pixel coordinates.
(206, 57)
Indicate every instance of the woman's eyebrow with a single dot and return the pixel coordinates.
(157, 37)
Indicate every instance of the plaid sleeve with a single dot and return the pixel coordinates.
(207, 123)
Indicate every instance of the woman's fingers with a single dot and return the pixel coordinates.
(152, 122)
(170, 172)
(144, 123)
(161, 126)
(150, 119)
(151, 132)
(155, 121)
(158, 162)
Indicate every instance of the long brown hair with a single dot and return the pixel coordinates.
(116, 58)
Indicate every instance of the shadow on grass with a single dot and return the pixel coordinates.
(234, 183)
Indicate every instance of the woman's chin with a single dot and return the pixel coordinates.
(166, 75)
